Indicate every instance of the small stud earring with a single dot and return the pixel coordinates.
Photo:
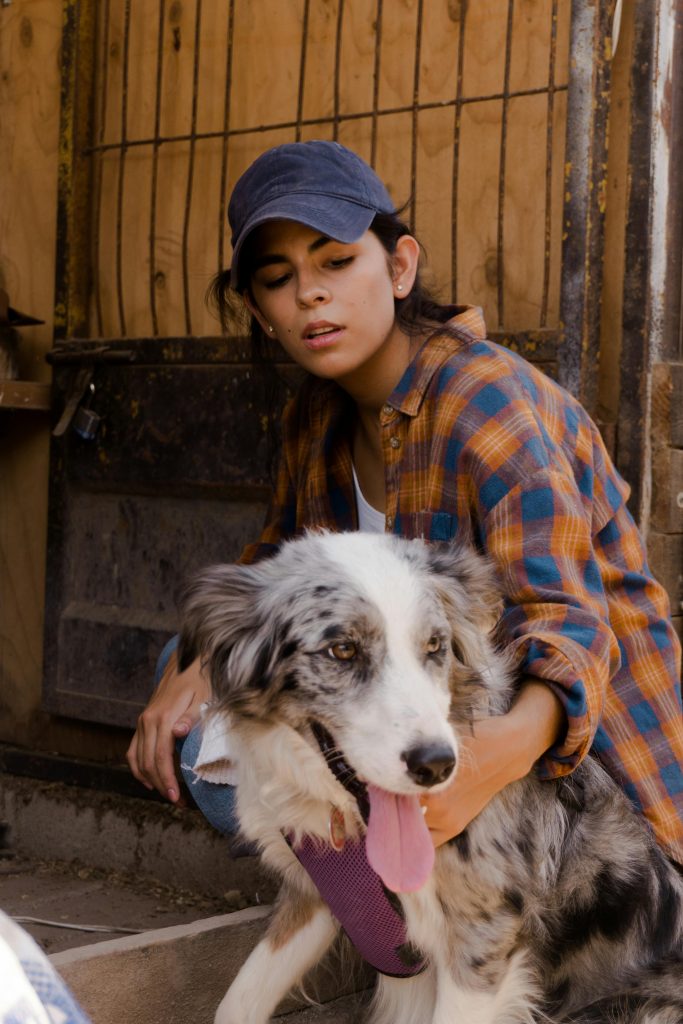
(271, 328)
(399, 287)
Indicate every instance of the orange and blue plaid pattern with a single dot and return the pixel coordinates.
(480, 446)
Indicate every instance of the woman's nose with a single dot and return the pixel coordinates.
(311, 293)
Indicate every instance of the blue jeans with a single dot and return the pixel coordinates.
(216, 802)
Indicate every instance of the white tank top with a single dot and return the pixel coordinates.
(370, 520)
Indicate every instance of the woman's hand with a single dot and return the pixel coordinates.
(501, 750)
(170, 714)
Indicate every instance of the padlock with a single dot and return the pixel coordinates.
(86, 421)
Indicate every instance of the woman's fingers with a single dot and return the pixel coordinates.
(132, 758)
(171, 713)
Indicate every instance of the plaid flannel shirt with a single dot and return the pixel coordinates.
(481, 446)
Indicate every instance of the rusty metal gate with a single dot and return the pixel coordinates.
(499, 153)
(650, 426)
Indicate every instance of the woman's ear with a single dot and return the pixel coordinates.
(248, 300)
(404, 263)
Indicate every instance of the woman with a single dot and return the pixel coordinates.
(411, 421)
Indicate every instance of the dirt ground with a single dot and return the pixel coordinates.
(73, 897)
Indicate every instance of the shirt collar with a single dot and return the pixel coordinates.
(465, 325)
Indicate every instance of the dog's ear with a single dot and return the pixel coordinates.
(222, 622)
(467, 585)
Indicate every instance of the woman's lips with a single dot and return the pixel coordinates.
(321, 335)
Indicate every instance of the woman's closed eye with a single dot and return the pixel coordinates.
(341, 261)
(276, 282)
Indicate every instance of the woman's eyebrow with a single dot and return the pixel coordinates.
(269, 258)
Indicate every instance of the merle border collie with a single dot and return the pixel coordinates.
(554, 905)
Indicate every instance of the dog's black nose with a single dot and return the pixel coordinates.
(430, 764)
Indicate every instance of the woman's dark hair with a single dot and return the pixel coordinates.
(419, 313)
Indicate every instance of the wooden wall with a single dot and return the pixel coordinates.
(30, 38)
(277, 72)
(146, 285)
(30, 33)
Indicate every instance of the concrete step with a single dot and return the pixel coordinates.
(179, 975)
(167, 975)
(175, 845)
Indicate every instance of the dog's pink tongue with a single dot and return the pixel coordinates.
(398, 842)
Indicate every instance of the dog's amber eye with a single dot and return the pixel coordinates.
(342, 651)
(434, 645)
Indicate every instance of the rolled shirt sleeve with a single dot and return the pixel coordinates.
(556, 617)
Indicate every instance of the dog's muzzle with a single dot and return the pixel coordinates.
(369, 913)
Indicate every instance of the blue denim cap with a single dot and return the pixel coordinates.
(320, 184)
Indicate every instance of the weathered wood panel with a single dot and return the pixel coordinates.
(119, 591)
(175, 479)
(665, 553)
(667, 404)
(667, 490)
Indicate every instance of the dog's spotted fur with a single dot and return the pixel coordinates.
(555, 904)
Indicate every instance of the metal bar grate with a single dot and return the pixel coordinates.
(207, 153)
(295, 125)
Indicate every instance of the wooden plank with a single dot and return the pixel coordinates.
(399, 34)
(434, 194)
(531, 36)
(477, 220)
(142, 51)
(29, 105)
(202, 254)
(104, 281)
(266, 52)
(485, 34)
(441, 26)
(211, 84)
(394, 141)
(524, 212)
(134, 241)
(30, 35)
(178, 72)
(665, 555)
(24, 394)
(667, 490)
(667, 404)
(357, 57)
(318, 95)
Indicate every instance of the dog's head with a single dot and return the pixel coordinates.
(381, 640)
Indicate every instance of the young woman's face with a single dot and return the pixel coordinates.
(331, 305)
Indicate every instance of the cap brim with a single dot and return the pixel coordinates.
(341, 219)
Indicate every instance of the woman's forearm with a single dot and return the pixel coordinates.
(499, 751)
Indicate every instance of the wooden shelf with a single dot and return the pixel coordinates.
(24, 394)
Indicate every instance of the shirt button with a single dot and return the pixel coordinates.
(395, 442)
(390, 522)
(387, 409)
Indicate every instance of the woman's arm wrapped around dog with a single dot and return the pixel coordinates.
(500, 750)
